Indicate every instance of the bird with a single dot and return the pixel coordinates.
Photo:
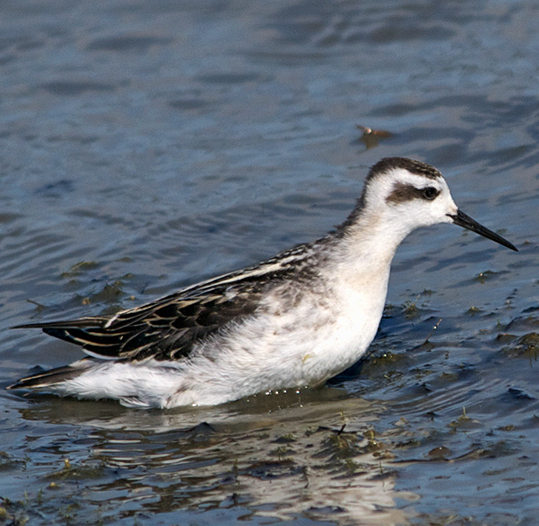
(296, 319)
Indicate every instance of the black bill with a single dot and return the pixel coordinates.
(465, 221)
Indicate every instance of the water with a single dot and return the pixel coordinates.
(147, 145)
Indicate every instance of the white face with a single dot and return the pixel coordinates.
(400, 201)
(411, 200)
(435, 210)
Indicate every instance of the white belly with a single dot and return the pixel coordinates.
(305, 345)
(294, 340)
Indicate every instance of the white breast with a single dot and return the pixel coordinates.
(295, 341)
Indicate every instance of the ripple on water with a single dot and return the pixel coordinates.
(146, 146)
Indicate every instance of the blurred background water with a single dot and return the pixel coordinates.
(148, 145)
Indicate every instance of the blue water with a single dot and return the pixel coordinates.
(148, 145)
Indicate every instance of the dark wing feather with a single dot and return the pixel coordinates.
(167, 332)
(167, 328)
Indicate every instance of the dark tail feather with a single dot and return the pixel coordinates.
(82, 323)
(72, 331)
(48, 378)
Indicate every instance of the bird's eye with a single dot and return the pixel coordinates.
(430, 193)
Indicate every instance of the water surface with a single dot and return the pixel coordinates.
(148, 145)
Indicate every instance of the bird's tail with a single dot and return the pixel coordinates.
(47, 379)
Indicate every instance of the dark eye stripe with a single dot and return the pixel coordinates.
(406, 192)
